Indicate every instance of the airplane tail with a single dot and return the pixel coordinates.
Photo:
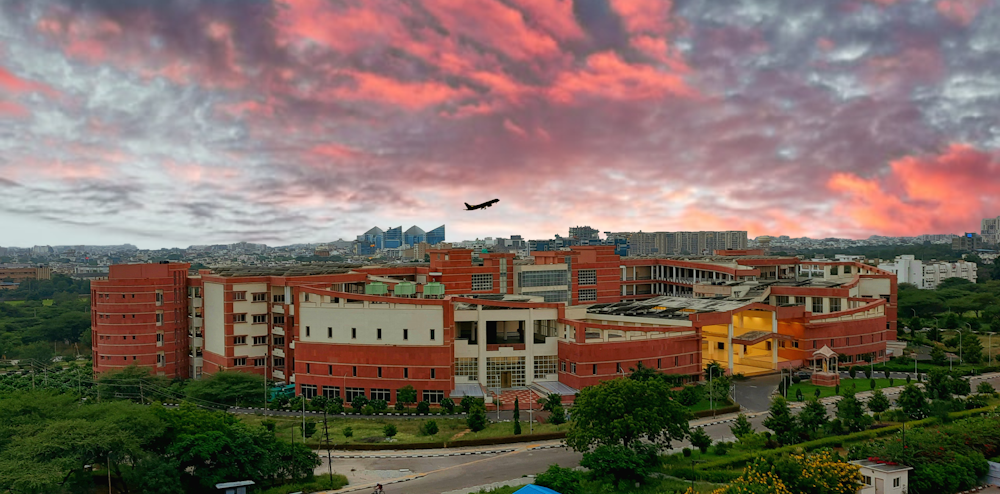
(467, 206)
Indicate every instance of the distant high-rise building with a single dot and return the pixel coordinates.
(394, 238)
(584, 234)
(436, 235)
(991, 230)
(414, 235)
(968, 242)
(371, 242)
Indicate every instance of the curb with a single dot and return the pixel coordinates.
(432, 455)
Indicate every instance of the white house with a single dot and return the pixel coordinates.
(878, 477)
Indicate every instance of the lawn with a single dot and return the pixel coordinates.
(370, 431)
(47, 301)
(705, 404)
(809, 390)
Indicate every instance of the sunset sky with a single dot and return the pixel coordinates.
(169, 123)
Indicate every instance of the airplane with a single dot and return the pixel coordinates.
(484, 205)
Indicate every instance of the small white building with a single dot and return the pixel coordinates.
(928, 275)
(882, 477)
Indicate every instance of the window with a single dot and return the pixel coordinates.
(795, 344)
(329, 370)
(781, 300)
(563, 366)
(432, 334)
(159, 318)
(467, 366)
(308, 370)
(159, 297)
(379, 333)
(278, 320)
(587, 277)
(329, 332)
(866, 479)
(239, 340)
(309, 391)
(800, 301)
(280, 299)
(895, 482)
(406, 372)
(618, 368)
(432, 396)
(588, 295)
(834, 305)
(573, 367)
(659, 363)
(354, 333)
(847, 270)
(260, 340)
(159, 337)
(307, 330)
(279, 361)
(433, 373)
(351, 393)
(239, 362)
(259, 362)
(354, 371)
(260, 319)
(676, 361)
(379, 372)
(331, 391)
(817, 305)
(406, 334)
(545, 364)
(239, 318)
(594, 370)
(259, 297)
(279, 341)
(239, 295)
(557, 277)
(482, 282)
(720, 346)
(381, 394)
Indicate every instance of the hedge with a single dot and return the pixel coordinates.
(718, 411)
(486, 441)
(732, 461)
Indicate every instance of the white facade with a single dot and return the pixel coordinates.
(882, 478)
(928, 275)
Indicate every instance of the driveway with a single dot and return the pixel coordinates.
(754, 394)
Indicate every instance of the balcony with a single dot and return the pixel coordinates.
(278, 308)
(278, 330)
(196, 303)
(196, 322)
(278, 352)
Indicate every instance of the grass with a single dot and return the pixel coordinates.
(705, 404)
(45, 302)
(809, 390)
(370, 431)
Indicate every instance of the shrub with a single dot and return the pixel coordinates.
(687, 452)
(853, 372)
(368, 410)
(985, 388)
(700, 440)
(796, 379)
(721, 448)
(335, 406)
(690, 395)
(816, 393)
(466, 403)
(310, 429)
(348, 432)
(429, 428)
(269, 424)
(836, 389)
(564, 480)
(476, 420)
(379, 405)
(622, 462)
(399, 406)
(892, 382)
(871, 384)
(358, 403)
(558, 416)
(907, 379)
(389, 430)
(798, 395)
(423, 407)
(448, 405)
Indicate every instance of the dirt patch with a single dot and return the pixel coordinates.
(460, 434)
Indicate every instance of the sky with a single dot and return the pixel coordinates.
(172, 123)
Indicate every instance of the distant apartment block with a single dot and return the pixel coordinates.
(967, 242)
(927, 275)
(22, 273)
(990, 230)
(679, 243)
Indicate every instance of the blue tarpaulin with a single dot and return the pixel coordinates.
(535, 489)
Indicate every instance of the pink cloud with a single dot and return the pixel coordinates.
(497, 26)
(920, 194)
(14, 84)
(553, 16)
(10, 109)
(608, 76)
(514, 128)
(645, 16)
(415, 95)
(960, 11)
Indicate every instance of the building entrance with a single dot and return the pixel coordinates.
(505, 379)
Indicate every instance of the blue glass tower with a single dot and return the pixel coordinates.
(436, 235)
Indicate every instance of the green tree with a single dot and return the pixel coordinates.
(700, 439)
(348, 432)
(812, 418)
(389, 430)
(985, 388)
(476, 418)
(549, 402)
(913, 402)
(780, 421)
(937, 355)
(310, 429)
(230, 388)
(448, 405)
(406, 395)
(623, 411)
(429, 428)
(517, 417)
(423, 406)
(851, 412)
(972, 348)
(557, 416)
(643, 373)
(621, 463)
(878, 403)
(741, 427)
(359, 402)
(559, 479)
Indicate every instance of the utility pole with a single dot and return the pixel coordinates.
(109, 472)
(303, 418)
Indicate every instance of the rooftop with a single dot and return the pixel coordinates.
(298, 270)
(667, 307)
(881, 467)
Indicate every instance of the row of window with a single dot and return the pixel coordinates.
(257, 297)
(469, 366)
(310, 391)
(817, 303)
(258, 362)
(160, 358)
(354, 371)
(159, 337)
(159, 316)
(378, 333)
(256, 319)
(257, 340)
(587, 295)
(619, 368)
(482, 282)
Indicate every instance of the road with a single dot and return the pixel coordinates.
(435, 475)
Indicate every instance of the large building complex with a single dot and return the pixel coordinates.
(465, 326)
(927, 275)
(22, 273)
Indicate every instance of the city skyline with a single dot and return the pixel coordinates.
(192, 123)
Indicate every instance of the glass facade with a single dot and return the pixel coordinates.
(394, 237)
(531, 279)
(468, 367)
(505, 371)
(587, 277)
(482, 282)
(545, 364)
(552, 295)
(432, 396)
(588, 295)
(436, 235)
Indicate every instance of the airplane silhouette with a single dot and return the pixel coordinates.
(484, 205)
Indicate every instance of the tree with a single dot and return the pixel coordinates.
(359, 402)
(406, 395)
(851, 413)
(916, 324)
(476, 418)
(549, 402)
(230, 388)
(937, 355)
(741, 427)
(624, 411)
(429, 428)
(619, 462)
(913, 402)
(972, 348)
(348, 432)
(448, 405)
(985, 388)
(780, 421)
(557, 416)
(643, 373)
(389, 430)
(517, 417)
(853, 372)
(812, 418)
(700, 439)
(871, 384)
(878, 403)
(828, 474)
(934, 334)
(310, 429)
(423, 407)
(564, 480)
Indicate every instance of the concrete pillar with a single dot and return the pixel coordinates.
(774, 343)
(529, 348)
(481, 340)
(729, 346)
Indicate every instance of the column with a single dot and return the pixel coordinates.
(774, 342)
(729, 346)
(481, 340)
(529, 348)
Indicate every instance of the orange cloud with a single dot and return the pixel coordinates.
(11, 109)
(644, 16)
(554, 16)
(606, 75)
(14, 84)
(514, 128)
(926, 194)
(409, 95)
